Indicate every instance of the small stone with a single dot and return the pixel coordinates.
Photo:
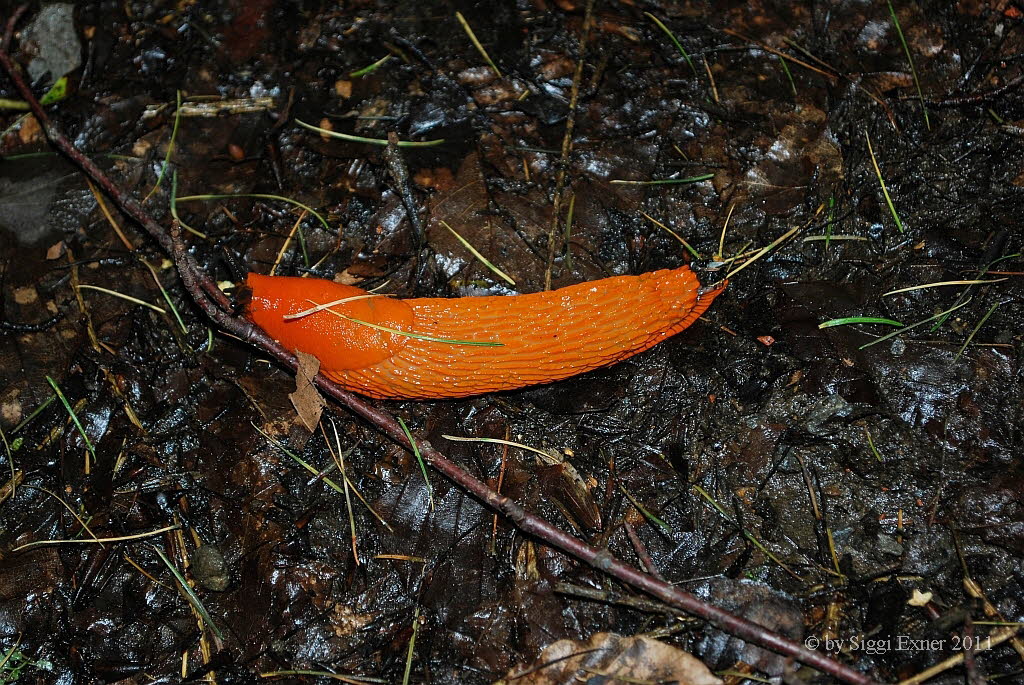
(210, 569)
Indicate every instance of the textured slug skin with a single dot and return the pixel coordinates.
(545, 336)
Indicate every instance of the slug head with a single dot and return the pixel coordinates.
(339, 342)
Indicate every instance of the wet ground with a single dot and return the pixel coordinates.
(863, 497)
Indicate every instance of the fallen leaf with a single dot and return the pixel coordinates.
(346, 277)
(562, 483)
(55, 251)
(326, 125)
(440, 179)
(30, 130)
(307, 399)
(611, 656)
(26, 295)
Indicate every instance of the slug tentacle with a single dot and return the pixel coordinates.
(544, 337)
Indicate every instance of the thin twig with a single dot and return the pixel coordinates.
(979, 98)
(400, 175)
(831, 76)
(213, 303)
(9, 29)
(126, 202)
(641, 551)
(570, 123)
(524, 520)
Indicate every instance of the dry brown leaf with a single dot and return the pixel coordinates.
(348, 277)
(30, 130)
(636, 658)
(26, 295)
(55, 251)
(307, 399)
(440, 179)
(567, 490)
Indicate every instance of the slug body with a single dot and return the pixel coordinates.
(545, 336)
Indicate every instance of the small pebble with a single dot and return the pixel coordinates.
(210, 569)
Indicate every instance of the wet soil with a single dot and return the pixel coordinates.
(838, 493)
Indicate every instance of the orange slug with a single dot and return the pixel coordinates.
(519, 340)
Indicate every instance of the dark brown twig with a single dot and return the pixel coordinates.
(16, 327)
(979, 98)
(126, 202)
(641, 551)
(215, 306)
(570, 124)
(400, 175)
(612, 597)
(9, 29)
(835, 73)
(969, 644)
(528, 523)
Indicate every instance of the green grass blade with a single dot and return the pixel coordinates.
(370, 69)
(174, 207)
(416, 336)
(849, 320)
(881, 182)
(675, 41)
(419, 460)
(747, 534)
(648, 515)
(74, 416)
(122, 296)
(300, 461)
(167, 297)
(170, 147)
(190, 594)
(477, 44)
(58, 91)
(910, 59)
(476, 253)
(370, 141)
(789, 74)
(976, 329)
(258, 196)
(36, 412)
(913, 325)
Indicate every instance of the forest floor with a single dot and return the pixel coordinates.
(862, 496)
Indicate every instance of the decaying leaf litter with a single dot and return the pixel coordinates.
(783, 471)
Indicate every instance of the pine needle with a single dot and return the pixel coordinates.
(419, 460)
(371, 141)
(476, 253)
(696, 255)
(910, 59)
(74, 416)
(129, 298)
(476, 43)
(881, 182)
(940, 284)
(415, 336)
(675, 41)
(974, 332)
